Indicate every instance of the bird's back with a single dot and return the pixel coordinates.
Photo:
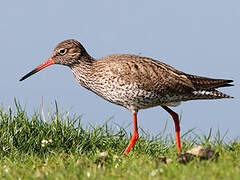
(140, 82)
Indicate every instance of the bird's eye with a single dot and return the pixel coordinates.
(62, 51)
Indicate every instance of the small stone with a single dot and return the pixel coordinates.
(161, 160)
(168, 161)
(211, 154)
(184, 157)
(198, 151)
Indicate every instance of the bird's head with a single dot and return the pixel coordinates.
(67, 53)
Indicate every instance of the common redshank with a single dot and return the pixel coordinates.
(134, 82)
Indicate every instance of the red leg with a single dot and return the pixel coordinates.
(177, 127)
(134, 136)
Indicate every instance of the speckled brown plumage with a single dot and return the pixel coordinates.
(137, 82)
(134, 82)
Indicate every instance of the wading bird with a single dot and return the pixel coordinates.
(134, 82)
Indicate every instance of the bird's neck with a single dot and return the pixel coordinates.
(83, 70)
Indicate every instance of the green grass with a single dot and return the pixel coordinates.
(58, 147)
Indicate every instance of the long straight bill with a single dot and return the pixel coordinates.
(47, 63)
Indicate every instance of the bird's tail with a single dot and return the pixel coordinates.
(209, 94)
(205, 88)
(204, 83)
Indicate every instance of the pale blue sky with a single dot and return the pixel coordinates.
(198, 37)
